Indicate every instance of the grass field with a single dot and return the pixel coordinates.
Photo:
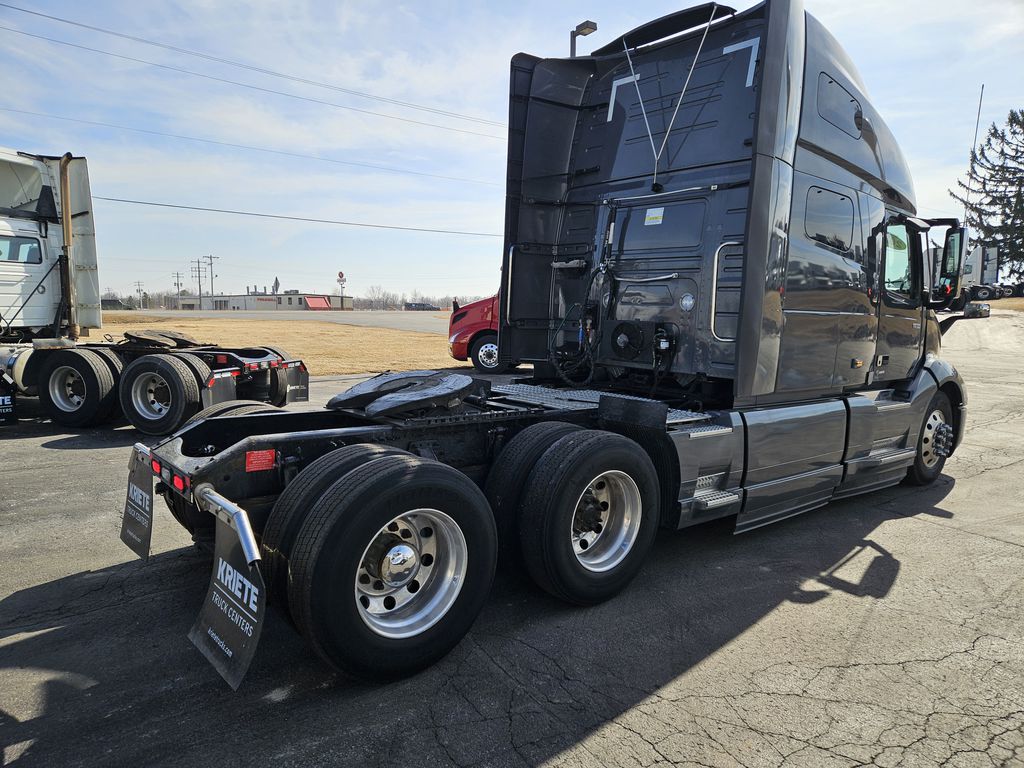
(327, 348)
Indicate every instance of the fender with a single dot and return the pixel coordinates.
(951, 383)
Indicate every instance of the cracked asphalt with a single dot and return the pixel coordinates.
(883, 630)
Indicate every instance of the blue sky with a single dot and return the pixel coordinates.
(923, 62)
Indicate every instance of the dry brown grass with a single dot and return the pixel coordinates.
(1015, 304)
(327, 348)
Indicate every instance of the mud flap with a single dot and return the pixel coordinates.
(219, 388)
(137, 521)
(8, 400)
(298, 383)
(228, 627)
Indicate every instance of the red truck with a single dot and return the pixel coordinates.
(473, 334)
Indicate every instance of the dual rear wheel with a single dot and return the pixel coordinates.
(384, 559)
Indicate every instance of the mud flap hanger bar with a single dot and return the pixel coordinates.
(232, 514)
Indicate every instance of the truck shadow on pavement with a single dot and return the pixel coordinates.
(96, 668)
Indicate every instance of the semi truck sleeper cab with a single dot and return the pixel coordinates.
(714, 261)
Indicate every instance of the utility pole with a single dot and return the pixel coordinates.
(138, 290)
(210, 259)
(197, 273)
(177, 285)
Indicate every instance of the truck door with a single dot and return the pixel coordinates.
(900, 328)
(29, 290)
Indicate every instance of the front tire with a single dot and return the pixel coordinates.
(928, 463)
(392, 567)
(484, 354)
(589, 516)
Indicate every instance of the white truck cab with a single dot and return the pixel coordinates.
(35, 190)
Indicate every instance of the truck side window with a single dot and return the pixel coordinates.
(898, 276)
(829, 218)
(20, 250)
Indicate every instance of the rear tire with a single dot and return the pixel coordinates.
(507, 478)
(158, 394)
(484, 354)
(278, 394)
(423, 526)
(76, 388)
(982, 293)
(297, 499)
(927, 464)
(230, 407)
(197, 365)
(589, 516)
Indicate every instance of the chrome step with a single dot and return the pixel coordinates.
(715, 499)
(705, 430)
(889, 457)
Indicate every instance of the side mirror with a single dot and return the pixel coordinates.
(975, 310)
(949, 269)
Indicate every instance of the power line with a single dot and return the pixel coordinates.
(253, 68)
(295, 218)
(247, 85)
(248, 147)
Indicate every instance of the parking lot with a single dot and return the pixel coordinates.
(885, 629)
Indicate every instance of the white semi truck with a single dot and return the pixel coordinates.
(50, 302)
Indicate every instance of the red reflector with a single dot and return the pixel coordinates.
(156, 467)
(210, 382)
(179, 483)
(273, 363)
(222, 359)
(235, 373)
(259, 461)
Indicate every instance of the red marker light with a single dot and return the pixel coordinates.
(179, 483)
(156, 467)
(222, 359)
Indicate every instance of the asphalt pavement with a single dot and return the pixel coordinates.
(885, 629)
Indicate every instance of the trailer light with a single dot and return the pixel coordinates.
(273, 363)
(209, 384)
(156, 467)
(222, 359)
(264, 365)
(236, 373)
(179, 483)
(260, 461)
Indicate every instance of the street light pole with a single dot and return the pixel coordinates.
(583, 29)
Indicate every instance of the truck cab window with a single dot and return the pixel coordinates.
(898, 275)
(829, 218)
(20, 250)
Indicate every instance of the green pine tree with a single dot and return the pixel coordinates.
(993, 193)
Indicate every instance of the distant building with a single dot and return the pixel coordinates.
(290, 300)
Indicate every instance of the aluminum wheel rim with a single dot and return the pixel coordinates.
(606, 521)
(67, 389)
(488, 355)
(928, 455)
(411, 573)
(151, 397)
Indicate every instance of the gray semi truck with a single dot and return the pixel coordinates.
(713, 260)
(50, 302)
